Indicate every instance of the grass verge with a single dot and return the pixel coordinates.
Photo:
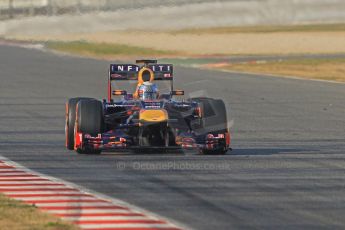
(15, 215)
(105, 49)
(265, 29)
(323, 69)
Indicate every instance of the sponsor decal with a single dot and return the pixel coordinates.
(152, 107)
(114, 75)
(161, 68)
(124, 68)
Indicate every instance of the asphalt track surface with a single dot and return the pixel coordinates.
(287, 170)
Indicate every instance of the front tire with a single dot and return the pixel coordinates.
(213, 121)
(71, 105)
(89, 119)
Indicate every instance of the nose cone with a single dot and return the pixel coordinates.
(153, 116)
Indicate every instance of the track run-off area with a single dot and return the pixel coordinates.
(287, 169)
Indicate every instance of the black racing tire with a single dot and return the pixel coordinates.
(90, 120)
(71, 105)
(213, 120)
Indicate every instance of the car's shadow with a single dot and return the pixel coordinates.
(144, 152)
(233, 152)
(269, 151)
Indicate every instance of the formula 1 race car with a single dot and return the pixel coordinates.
(148, 118)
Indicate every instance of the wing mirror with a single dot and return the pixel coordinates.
(119, 92)
(178, 92)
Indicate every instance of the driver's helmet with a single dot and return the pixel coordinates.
(148, 91)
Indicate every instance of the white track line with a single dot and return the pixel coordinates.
(2, 170)
(90, 211)
(27, 182)
(37, 187)
(29, 178)
(81, 205)
(56, 198)
(13, 173)
(29, 193)
(89, 218)
(123, 226)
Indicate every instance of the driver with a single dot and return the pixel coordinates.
(148, 91)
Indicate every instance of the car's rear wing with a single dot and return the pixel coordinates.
(120, 72)
(130, 72)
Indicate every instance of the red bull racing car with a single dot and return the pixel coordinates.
(147, 117)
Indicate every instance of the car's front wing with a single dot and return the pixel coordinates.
(114, 140)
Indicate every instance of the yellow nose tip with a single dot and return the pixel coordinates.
(153, 115)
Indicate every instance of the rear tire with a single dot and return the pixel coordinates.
(213, 121)
(89, 120)
(71, 105)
